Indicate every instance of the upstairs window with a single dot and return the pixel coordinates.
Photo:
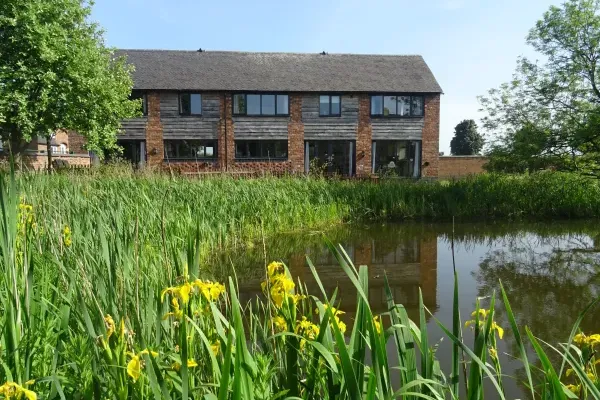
(190, 149)
(261, 104)
(136, 95)
(190, 104)
(397, 106)
(261, 149)
(330, 106)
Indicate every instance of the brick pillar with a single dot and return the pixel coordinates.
(296, 134)
(428, 270)
(431, 137)
(363, 253)
(226, 144)
(154, 131)
(76, 143)
(364, 136)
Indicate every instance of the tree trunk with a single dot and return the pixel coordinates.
(49, 151)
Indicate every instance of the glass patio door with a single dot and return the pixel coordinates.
(331, 157)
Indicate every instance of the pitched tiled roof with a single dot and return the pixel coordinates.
(239, 71)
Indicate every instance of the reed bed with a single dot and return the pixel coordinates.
(105, 296)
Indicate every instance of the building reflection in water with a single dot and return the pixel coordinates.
(408, 262)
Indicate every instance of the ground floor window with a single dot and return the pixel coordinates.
(330, 157)
(190, 149)
(261, 149)
(133, 151)
(400, 158)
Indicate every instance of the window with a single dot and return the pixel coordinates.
(59, 149)
(190, 104)
(136, 95)
(261, 149)
(401, 158)
(190, 149)
(329, 106)
(397, 106)
(260, 104)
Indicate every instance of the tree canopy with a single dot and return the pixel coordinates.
(549, 114)
(56, 73)
(466, 141)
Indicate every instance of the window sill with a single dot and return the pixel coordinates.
(397, 116)
(190, 115)
(175, 160)
(262, 116)
(330, 116)
(261, 159)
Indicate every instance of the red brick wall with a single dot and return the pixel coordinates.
(456, 166)
(154, 131)
(226, 144)
(364, 137)
(431, 136)
(296, 134)
(75, 143)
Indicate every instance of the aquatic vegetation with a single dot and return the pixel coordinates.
(105, 294)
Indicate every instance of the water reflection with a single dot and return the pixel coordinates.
(409, 260)
(551, 272)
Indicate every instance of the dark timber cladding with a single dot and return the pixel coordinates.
(210, 80)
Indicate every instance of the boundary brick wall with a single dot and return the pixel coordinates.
(457, 166)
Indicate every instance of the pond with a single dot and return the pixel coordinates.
(551, 271)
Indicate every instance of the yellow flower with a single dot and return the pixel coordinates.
(177, 312)
(215, 347)
(574, 388)
(275, 268)
(498, 329)
(67, 236)
(336, 313)
(110, 326)
(482, 313)
(191, 363)
(210, 290)
(480, 320)
(580, 339)
(134, 366)
(307, 329)
(176, 366)
(341, 325)
(334, 310)
(281, 287)
(279, 323)
(11, 390)
(493, 353)
(183, 292)
(377, 324)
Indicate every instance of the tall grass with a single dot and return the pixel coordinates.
(104, 295)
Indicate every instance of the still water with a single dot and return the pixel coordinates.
(551, 272)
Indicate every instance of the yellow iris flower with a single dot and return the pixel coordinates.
(11, 390)
(134, 366)
(480, 318)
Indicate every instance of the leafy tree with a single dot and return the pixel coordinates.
(466, 141)
(549, 114)
(56, 73)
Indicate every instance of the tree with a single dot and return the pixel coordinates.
(550, 111)
(466, 141)
(56, 73)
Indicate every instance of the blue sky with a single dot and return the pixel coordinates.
(470, 45)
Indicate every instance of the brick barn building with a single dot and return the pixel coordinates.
(346, 114)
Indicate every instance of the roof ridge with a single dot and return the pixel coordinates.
(268, 52)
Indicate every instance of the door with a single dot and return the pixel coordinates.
(330, 157)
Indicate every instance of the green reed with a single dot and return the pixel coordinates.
(86, 258)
